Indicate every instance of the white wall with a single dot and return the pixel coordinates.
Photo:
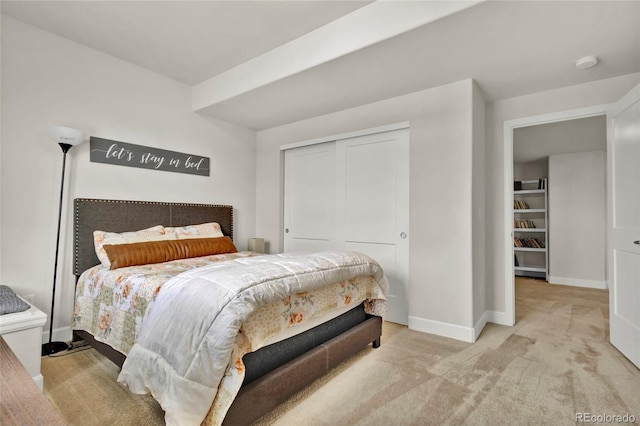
(566, 98)
(577, 219)
(441, 267)
(441, 132)
(479, 211)
(47, 81)
(530, 170)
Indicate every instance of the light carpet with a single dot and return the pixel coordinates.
(555, 364)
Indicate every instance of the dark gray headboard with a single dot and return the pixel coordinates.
(121, 216)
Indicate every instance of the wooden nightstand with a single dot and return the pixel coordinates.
(23, 333)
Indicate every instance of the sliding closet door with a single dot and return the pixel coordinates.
(309, 193)
(353, 194)
(372, 207)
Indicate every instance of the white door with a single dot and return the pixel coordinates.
(353, 194)
(372, 207)
(623, 257)
(309, 193)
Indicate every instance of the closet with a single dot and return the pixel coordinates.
(353, 194)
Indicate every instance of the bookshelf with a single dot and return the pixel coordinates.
(530, 236)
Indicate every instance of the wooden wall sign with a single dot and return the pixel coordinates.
(145, 157)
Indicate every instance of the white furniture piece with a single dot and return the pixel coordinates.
(23, 333)
(530, 221)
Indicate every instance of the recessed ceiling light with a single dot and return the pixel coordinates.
(586, 62)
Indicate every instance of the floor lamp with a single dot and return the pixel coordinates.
(66, 138)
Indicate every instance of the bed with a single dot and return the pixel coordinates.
(273, 371)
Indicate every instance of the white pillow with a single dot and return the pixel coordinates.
(100, 238)
(204, 230)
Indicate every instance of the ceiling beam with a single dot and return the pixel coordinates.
(364, 27)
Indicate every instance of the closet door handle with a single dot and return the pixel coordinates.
(637, 242)
(403, 235)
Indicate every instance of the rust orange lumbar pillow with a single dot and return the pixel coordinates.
(143, 253)
(100, 238)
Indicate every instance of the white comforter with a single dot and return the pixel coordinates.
(187, 339)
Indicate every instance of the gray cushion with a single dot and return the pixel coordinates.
(10, 303)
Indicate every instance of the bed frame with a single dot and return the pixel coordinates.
(273, 373)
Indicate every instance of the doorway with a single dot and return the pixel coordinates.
(510, 128)
(559, 228)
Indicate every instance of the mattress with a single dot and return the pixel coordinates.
(307, 325)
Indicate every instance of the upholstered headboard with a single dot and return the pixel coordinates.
(121, 216)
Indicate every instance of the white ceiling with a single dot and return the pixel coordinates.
(509, 48)
(188, 41)
(533, 143)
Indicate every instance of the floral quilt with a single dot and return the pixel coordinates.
(110, 304)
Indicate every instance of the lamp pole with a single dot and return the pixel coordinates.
(55, 347)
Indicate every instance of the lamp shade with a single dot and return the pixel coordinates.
(66, 135)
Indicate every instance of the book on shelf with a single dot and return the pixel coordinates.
(524, 224)
(542, 183)
(520, 205)
(528, 243)
(530, 184)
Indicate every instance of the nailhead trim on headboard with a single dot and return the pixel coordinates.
(219, 213)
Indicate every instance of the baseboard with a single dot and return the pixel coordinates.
(63, 334)
(578, 282)
(499, 318)
(482, 322)
(39, 381)
(453, 331)
(495, 317)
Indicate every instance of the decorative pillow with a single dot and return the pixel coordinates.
(10, 303)
(100, 238)
(143, 253)
(204, 230)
